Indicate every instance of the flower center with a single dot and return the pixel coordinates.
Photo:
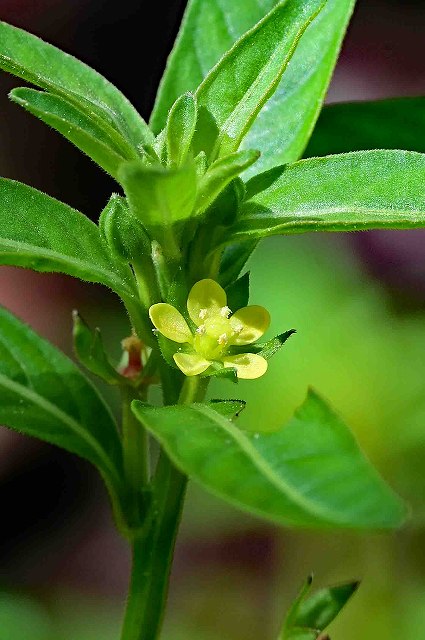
(214, 335)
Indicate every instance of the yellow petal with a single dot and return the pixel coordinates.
(249, 323)
(170, 322)
(190, 363)
(248, 365)
(206, 299)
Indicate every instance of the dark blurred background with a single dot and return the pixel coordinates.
(358, 304)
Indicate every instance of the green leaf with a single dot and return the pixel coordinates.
(311, 615)
(234, 259)
(45, 66)
(181, 126)
(43, 394)
(158, 197)
(347, 192)
(230, 409)
(89, 349)
(207, 31)
(220, 174)
(74, 125)
(356, 126)
(320, 609)
(236, 89)
(310, 473)
(122, 231)
(282, 130)
(43, 234)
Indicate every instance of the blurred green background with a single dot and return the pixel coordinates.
(357, 303)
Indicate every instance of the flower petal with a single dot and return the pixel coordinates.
(248, 365)
(170, 322)
(250, 323)
(191, 363)
(206, 299)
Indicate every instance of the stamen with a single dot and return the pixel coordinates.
(237, 327)
(225, 312)
(203, 314)
(222, 339)
(201, 330)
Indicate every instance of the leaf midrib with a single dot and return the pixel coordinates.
(63, 417)
(254, 457)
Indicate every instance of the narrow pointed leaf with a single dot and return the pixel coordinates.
(355, 126)
(47, 67)
(43, 394)
(89, 349)
(312, 614)
(220, 174)
(43, 234)
(235, 90)
(230, 409)
(310, 473)
(123, 233)
(318, 610)
(181, 126)
(347, 192)
(74, 125)
(282, 130)
(207, 31)
(268, 349)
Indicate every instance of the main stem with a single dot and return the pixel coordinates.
(153, 551)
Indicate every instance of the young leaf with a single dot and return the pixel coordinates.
(181, 126)
(74, 125)
(312, 614)
(89, 349)
(43, 394)
(45, 66)
(234, 259)
(159, 197)
(122, 231)
(310, 473)
(347, 192)
(207, 31)
(220, 174)
(236, 89)
(385, 124)
(282, 130)
(43, 234)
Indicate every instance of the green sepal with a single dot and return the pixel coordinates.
(312, 614)
(238, 293)
(220, 174)
(180, 128)
(89, 349)
(268, 349)
(122, 231)
(217, 370)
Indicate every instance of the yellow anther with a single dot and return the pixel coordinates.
(222, 339)
(201, 330)
(225, 312)
(203, 314)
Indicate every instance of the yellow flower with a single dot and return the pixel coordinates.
(217, 329)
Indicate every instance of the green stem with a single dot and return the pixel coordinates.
(153, 552)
